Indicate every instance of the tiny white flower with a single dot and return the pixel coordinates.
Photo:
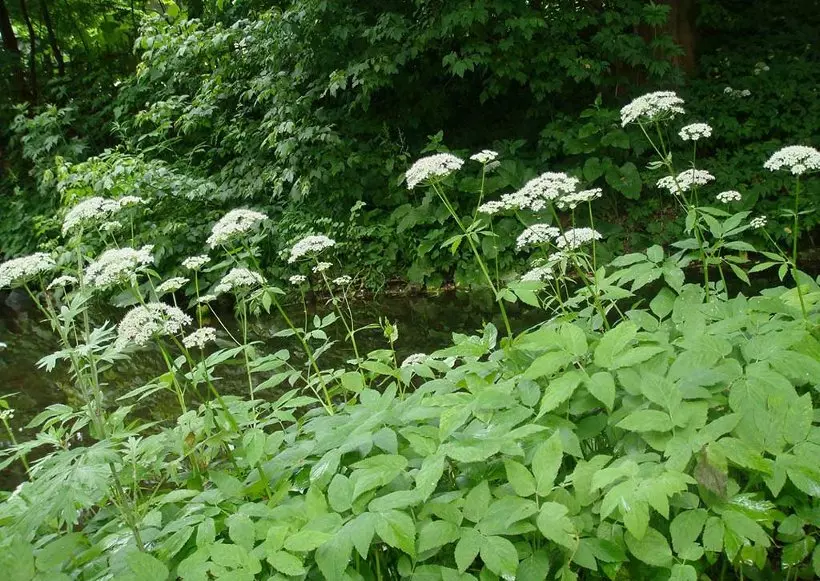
(414, 359)
(576, 237)
(798, 159)
(758, 222)
(62, 282)
(695, 131)
(142, 323)
(537, 274)
(491, 208)
(196, 262)
(657, 106)
(199, 338)
(729, 196)
(538, 192)
(297, 279)
(685, 180)
(310, 245)
(205, 299)
(117, 264)
(437, 165)
(20, 270)
(536, 234)
(343, 280)
(484, 156)
(572, 200)
(233, 224)
(321, 267)
(238, 278)
(94, 209)
(172, 285)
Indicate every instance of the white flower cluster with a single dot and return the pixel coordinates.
(19, 270)
(111, 226)
(142, 323)
(484, 156)
(491, 208)
(798, 159)
(205, 299)
(297, 279)
(684, 181)
(196, 262)
(96, 209)
(199, 338)
(310, 245)
(572, 200)
(737, 93)
(321, 267)
(536, 234)
(729, 196)
(172, 285)
(238, 278)
(414, 359)
(116, 264)
(576, 237)
(695, 131)
(537, 274)
(437, 165)
(538, 191)
(343, 280)
(651, 107)
(234, 223)
(758, 222)
(62, 282)
(761, 67)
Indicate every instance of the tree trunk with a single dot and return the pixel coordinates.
(682, 28)
(11, 46)
(32, 57)
(52, 39)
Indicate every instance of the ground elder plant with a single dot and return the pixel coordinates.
(655, 425)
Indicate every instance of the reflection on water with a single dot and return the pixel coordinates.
(425, 323)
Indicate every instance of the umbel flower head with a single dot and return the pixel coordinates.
(196, 262)
(536, 234)
(758, 222)
(321, 267)
(172, 285)
(95, 209)
(62, 282)
(576, 237)
(484, 156)
(572, 200)
(414, 359)
(729, 196)
(537, 192)
(657, 106)
(492, 207)
(695, 131)
(310, 245)
(20, 270)
(343, 280)
(116, 265)
(432, 166)
(238, 278)
(199, 338)
(142, 323)
(297, 279)
(233, 224)
(537, 274)
(798, 159)
(684, 181)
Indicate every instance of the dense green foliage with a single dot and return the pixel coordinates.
(305, 109)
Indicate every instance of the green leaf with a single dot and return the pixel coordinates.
(572, 339)
(500, 556)
(713, 534)
(477, 502)
(554, 524)
(636, 355)
(435, 534)
(353, 381)
(683, 573)
(663, 303)
(429, 475)
(467, 548)
(601, 386)
(285, 563)
(146, 567)
(593, 169)
(546, 461)
(614, 342)
(332, 557)
(652, 549)
(519, 477)
(306, 540)
(534, 568)
(241, 530)
(394, 500)
(646, 421)
(398, 530)
(686, 528)
(559, 390)
(340, 493)
(360, 531)
(548, 364)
